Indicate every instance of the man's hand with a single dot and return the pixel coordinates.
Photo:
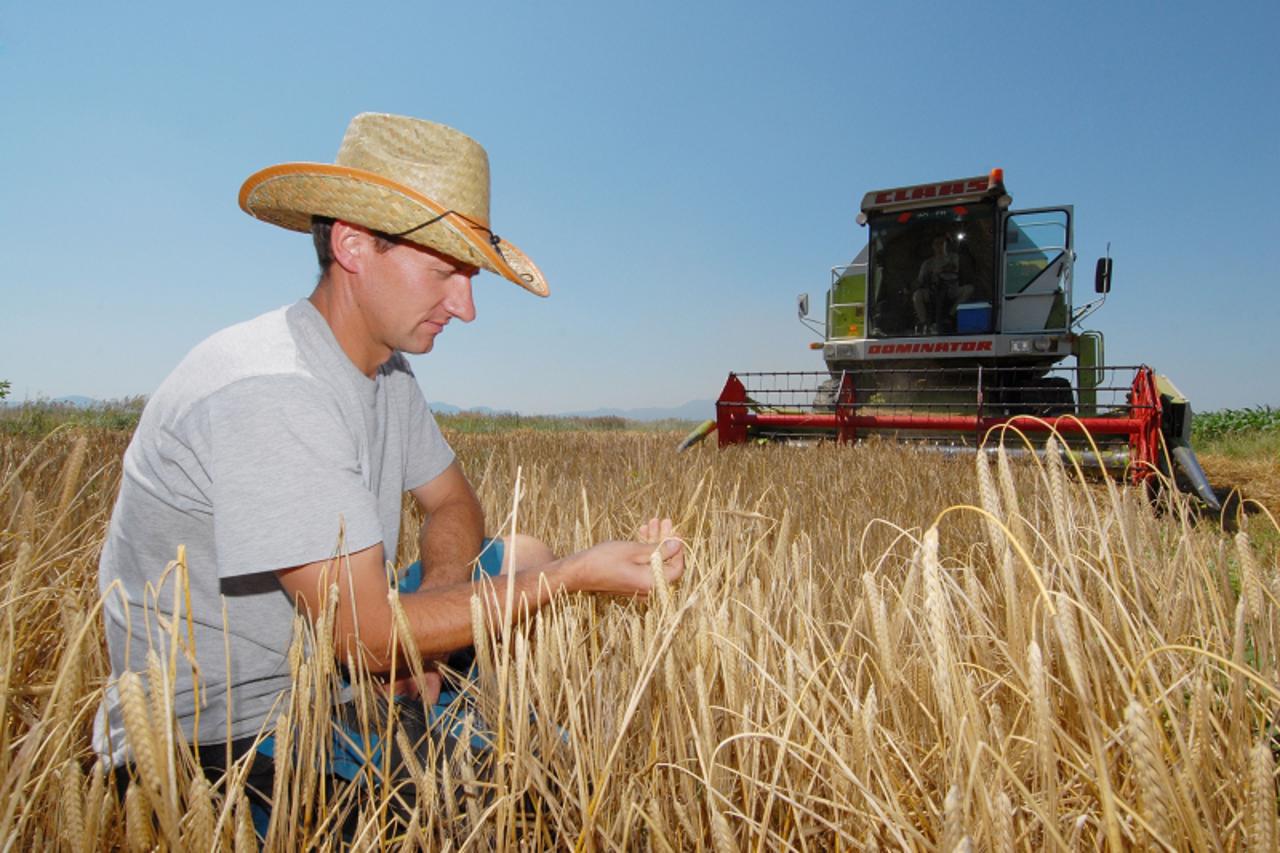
(623, 568)
(655, 531)
(408, 687)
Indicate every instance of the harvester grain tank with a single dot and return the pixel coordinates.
(958, 316)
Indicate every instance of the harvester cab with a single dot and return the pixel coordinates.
(950, 282)
(957, 317)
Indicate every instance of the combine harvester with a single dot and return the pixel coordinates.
(957, 318)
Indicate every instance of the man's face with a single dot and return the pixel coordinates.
(412, 293)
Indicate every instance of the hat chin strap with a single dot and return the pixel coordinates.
(494, 239)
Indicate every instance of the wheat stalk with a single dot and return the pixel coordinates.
(817, 717)
(936, 611)
(1008, 489)
(880, 627)
(1042, 724)
(70, 481)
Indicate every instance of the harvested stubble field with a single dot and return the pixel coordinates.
(870, 649)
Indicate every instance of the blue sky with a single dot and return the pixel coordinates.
(680, 171)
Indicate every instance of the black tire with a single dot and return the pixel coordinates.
(825, 399)
(1055, 397)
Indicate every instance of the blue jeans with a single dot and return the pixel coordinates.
(490, 564)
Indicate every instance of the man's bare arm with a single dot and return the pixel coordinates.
(440, 618)
(452, 530)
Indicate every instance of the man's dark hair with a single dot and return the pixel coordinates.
(321, 231)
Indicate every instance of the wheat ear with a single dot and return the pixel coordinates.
(1144, 748)
(1261, 818)
(200, 815)
(246, 840)
(72, 802)
(1250, 578)
(137, 820)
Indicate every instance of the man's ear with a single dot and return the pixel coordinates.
(349, 245)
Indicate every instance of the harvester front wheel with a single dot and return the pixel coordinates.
(825, 399)
(1058, 397)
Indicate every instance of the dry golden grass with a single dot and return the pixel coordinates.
(1257, 478)
(871, 648)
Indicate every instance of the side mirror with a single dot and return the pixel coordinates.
(802, 305)
(1102, 276)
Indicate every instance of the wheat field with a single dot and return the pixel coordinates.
(871, 648)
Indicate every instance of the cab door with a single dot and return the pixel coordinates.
(1036, 246)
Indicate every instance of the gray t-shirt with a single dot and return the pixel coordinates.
(263, 447)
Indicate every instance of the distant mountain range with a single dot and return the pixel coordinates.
(75, 401)
(694, 410)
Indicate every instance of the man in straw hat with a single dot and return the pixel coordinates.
(278, 442)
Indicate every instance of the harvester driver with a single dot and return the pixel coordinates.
(937, 289)
(278, 442)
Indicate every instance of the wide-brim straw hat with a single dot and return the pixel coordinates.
(415, 180)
